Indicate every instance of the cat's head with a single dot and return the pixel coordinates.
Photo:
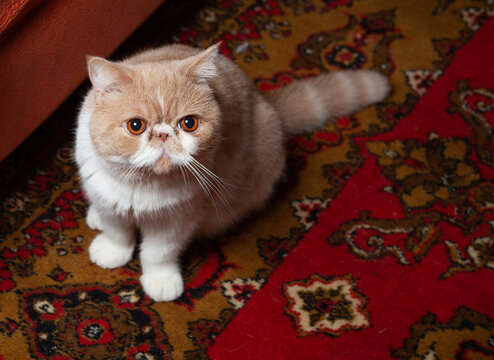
(154, 116)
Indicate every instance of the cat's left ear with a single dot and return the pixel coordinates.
(203, 66)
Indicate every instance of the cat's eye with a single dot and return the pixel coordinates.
(136, 126)
(189, 123)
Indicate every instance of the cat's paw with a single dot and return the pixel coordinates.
(163, 285)
(93, 220)
(109, 254)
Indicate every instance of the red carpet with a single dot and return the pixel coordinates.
(420, 273)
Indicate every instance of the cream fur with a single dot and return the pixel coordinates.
(191, 183)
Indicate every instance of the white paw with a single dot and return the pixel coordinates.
(109, 254)
(93, 220)
(163, 285)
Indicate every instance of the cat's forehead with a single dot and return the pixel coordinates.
(170, 93)
(164, 75)
(164, 80)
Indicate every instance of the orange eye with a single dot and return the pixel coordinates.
(189, 123)
(136, 126)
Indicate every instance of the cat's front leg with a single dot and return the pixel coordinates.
(160, 251)
(93, 220)
(115, 245)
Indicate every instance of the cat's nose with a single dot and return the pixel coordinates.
(163, 136)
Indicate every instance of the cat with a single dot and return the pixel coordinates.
(178, 143)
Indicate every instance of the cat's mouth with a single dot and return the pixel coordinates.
(164, 153)
(163, 165)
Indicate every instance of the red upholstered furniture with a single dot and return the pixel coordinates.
(42, 54)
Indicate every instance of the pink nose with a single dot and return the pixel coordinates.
(163, 137)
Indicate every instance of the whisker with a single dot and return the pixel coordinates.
(219, 184)
(216, 186)
(183, 176)
(204, 185)
(127, 175)
(212, 174)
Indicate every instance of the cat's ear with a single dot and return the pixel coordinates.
(106, 75)
(202, 66)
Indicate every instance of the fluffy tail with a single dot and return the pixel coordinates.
(306, 105)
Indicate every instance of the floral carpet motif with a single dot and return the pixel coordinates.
(330, 306)
(377, 244)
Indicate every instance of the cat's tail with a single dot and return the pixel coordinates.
(306, 105)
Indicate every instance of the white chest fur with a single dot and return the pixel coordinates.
(143, 197)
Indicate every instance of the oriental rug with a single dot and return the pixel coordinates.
(378, 243)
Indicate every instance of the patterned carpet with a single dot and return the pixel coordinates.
(378, 244)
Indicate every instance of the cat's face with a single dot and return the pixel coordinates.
(154, 116)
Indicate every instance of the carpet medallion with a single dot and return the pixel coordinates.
(378, 243)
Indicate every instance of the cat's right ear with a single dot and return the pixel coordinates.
(105, 75)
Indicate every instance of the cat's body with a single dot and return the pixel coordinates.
(180, 144)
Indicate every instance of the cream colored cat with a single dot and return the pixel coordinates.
(178, 143)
